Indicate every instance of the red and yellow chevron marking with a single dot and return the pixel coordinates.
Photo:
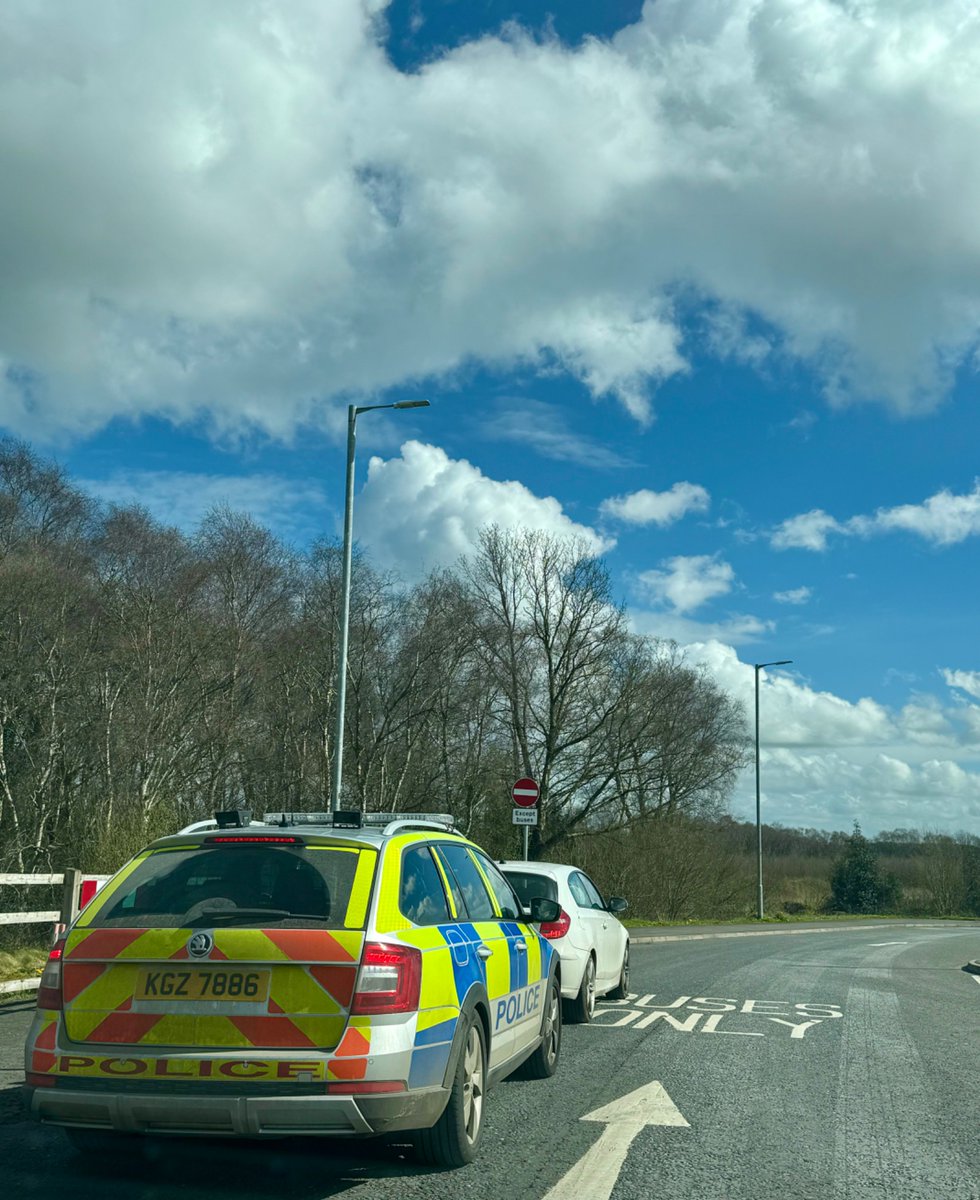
(43, 1057)
(350, 1058)
(346, 1068)
(313, 973)
(353, 1043)
(245, 945)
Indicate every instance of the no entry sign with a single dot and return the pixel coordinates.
(525, 793)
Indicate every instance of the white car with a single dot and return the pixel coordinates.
(593, 945)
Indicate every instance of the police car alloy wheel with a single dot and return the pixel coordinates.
(455, 1138)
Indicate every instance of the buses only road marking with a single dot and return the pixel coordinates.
(707, 1014)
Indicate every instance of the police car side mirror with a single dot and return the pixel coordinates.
(542, 910)
(617, 904)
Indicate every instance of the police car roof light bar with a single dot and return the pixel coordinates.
(389, 818)
(356, 820)
(298, 818)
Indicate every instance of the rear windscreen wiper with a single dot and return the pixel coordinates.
(236, 914)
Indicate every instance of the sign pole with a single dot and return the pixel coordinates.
(525, 794)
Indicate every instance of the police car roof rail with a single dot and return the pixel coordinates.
(443, 822)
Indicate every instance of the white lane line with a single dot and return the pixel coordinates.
(888, 943)
(594, 1175)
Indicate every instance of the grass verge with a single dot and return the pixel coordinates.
(21, 964)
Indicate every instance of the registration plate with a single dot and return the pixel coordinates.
(199, 984)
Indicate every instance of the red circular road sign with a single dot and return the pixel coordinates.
(525, 793)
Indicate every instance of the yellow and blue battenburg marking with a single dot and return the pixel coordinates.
(451, 966)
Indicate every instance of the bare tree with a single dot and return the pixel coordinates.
(614, 727)
(148, 677)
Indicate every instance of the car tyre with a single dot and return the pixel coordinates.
(455, 1138)
(622, 989)
(544, 1061)
(580, 1009)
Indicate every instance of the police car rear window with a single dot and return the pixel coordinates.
(305, 887)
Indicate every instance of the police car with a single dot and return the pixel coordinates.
(309, 974)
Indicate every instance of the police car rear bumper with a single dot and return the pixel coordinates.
(250, 1116)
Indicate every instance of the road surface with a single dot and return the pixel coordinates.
(837, 1065)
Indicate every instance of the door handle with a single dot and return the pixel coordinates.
(520, 944)
(483, 952)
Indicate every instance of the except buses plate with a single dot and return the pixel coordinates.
(197, 984)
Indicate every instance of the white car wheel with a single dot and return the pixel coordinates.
(580, 1009)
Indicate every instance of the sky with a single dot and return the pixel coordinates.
(695, 280)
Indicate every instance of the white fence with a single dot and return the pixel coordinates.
(71, 902)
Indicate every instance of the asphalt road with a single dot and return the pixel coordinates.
(841, 1065)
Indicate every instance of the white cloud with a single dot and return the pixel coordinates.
(735, 629)
(729, 337)
(657, 508)
(615, 347)
(808, 531)
(688, 581)
(181, 498)
(423, 510)
(923, 721)
(798, 595)
(966, 681)
(827, 761)
(543, 427)
(795, 714)
(943, 519)
(241, 212)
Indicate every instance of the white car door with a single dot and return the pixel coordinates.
(590, 921)
(609, 950)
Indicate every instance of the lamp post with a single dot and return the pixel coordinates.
(783, 662)
(353, 411)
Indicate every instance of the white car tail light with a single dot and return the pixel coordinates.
(553, 930)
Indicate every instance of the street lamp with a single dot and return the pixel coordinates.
(783, 662)
(353, 411)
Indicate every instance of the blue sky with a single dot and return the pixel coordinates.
(699, 283)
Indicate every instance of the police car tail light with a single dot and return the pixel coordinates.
(553, 930)
(389, 981)
(49, 989)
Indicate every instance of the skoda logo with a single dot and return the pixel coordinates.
(200, 945)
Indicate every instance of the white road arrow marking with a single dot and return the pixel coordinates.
(888, 943)
(594, 1175)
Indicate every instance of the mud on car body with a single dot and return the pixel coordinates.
(309, 974)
